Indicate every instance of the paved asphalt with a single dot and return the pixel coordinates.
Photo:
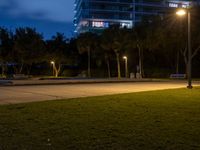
(24, 94)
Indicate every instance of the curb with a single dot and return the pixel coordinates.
(62, 82)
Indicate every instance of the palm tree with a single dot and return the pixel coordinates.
(85, 43)
(107, 47)
(119, 42)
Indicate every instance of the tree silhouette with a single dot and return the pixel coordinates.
(28, 48)
(86, 43)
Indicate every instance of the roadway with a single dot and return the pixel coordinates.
(25, 94)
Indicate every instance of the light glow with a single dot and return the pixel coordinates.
(125, 57)
(181, 12)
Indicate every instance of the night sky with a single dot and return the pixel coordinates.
(47, 16)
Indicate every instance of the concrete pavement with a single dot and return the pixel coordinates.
(25, 94)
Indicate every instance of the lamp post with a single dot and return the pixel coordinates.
(183, 12)
(53, 65)
(126, 66)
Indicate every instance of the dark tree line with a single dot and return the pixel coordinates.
(155, 48)
(25, 49)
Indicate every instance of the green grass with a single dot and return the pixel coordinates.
(160, 120)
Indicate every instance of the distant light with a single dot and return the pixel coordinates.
(52, 62)
(181, 12)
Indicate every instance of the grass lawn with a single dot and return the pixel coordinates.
(159, 120)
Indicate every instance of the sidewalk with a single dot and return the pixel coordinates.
(71, 81)
(34, 93)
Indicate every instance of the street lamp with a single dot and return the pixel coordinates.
(126, 66)
(183, 12)
(53, 65)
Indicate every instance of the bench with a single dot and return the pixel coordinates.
(177, 76)
(20, 76)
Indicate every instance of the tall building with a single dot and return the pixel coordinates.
(96, 15)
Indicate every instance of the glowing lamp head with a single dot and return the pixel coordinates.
(181, 12)
(125, 57)
(52, 62)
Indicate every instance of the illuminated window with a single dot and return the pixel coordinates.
(100, 24)
(173, 5)
(184, 6)
(84, 24)
(97, 24)
(125, 25)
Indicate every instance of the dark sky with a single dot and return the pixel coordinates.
(47, 16)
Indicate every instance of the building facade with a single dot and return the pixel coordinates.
(96, 15)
